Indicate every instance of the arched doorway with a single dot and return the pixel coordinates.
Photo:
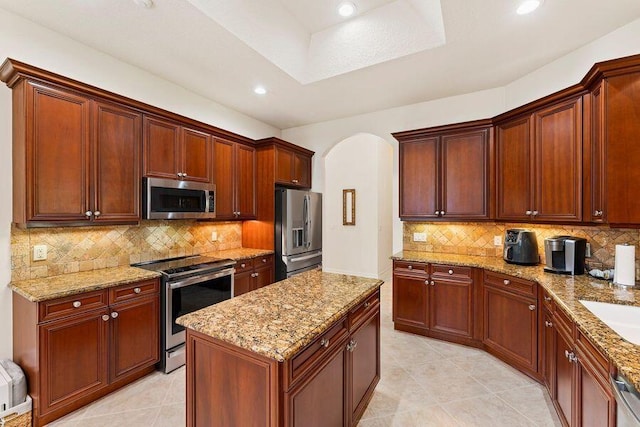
(363, 162)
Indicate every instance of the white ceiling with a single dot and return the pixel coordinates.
(485, 45)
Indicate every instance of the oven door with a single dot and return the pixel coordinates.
(192, 294)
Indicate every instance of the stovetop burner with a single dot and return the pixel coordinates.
(180, 266)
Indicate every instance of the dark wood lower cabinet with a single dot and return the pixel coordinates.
(327, 383)
(451, 307)
(564, 376)
(253, 274)
(410, 298)
(79, 348)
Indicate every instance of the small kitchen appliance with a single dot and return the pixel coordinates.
(521, 247)
(565, 254)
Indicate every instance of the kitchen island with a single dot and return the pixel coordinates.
(303, 351)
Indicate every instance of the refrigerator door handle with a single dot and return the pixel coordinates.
(305, 216)
(305, 257)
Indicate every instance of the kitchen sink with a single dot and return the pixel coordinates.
(624, 319)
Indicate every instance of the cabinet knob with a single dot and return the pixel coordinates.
(367, 304)
(437, 212)
(256, 274)
(88, 214)
(506, 281)
(597, 213)
(442, 213)
(295, 181)
(352, 345)
(450, 271)
(534, 213)
(410, 267)
(184, 174)
(105, 317)
(324, 342)
(264, 260)
(532, 307)
(566, 354)
(528, 213)
(548, 324)
(137, 290)
(77, 304)
(546, 298)
(114, 314)
(243, 265)
(433, 283)
(426, 282)
(96, 214)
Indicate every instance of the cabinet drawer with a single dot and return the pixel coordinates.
(262, 260)
(133, 290)
(363, 309)
(410, 267)
(510, 283)
(244, 265)
(450, 272)
(62, 307)
(307, 358)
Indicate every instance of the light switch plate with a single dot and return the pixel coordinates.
(214, 236)
(497, 240)
(39, 252)
(419, 237)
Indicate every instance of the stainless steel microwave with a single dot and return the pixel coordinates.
(172, 199)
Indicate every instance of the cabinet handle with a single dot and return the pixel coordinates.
(528, 213)
(96, 214)
(548, 324)
(532, 307)
(137, 290)
(506, 281)
(410, 267)
(295, 181)
(77, 304)
(324, 342)
(352, 345)
(573, 357)
(88, 214)
(546, 298)
(534, 213)
(450, 271)
(114, 314)
(367, 304)
(105, 317)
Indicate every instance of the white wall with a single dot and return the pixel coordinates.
(362, 162)
(35, 45)
(565, 71)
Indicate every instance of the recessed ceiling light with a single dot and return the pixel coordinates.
(528, 6)
(148, 4)
(346, 8)
(260, 90)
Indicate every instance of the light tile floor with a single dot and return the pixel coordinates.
(424, 382)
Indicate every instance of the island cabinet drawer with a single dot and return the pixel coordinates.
(362, 310)
(243, 265)
(313, 353)
(409, 267)
(451, 272)
(510, 283)
(133, 290)
(75, 304)
(262, 260)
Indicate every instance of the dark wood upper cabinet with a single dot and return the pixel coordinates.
(539, 165)
(445, 173)
(594, 165)
(176, 152)
(292, 169)
(235, 179)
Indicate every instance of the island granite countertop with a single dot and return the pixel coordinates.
(280, 319)
(566, 291)
(48, 288)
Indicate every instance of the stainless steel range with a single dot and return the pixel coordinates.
(188, 284)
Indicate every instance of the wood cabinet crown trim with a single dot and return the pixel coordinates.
(268, 142)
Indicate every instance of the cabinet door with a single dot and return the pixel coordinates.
(465, 175)
(284, 166)
(548, 352)
(242, 283)
(73, 358)
(364, 363)
(319, 401)
(302, 170)
(196, 155)
(450, 307)
(223, 177)
(595, 156)
(410, 300)
(510, 327)
(564, 376)
(514, 170)
(245, 181)
(116, 160)
(57, 155)
(558, 142)
(419, 179)
(135, 329)
(622, 109)
(596, 405)
(161, 148)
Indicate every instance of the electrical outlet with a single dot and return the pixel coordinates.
(497, 240)
(214, 236)
(587, 251)
(39, 252)
(419, 237)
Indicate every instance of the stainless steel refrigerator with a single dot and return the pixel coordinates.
(298, 228)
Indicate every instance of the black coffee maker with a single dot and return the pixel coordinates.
(521, 247)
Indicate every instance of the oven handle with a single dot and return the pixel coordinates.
(197, 279)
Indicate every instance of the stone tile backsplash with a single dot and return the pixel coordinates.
(73, 249)
(477, 239)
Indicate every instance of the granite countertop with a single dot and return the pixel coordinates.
(48, 288)
(239, 253)
(280, 319)
(566, 291)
